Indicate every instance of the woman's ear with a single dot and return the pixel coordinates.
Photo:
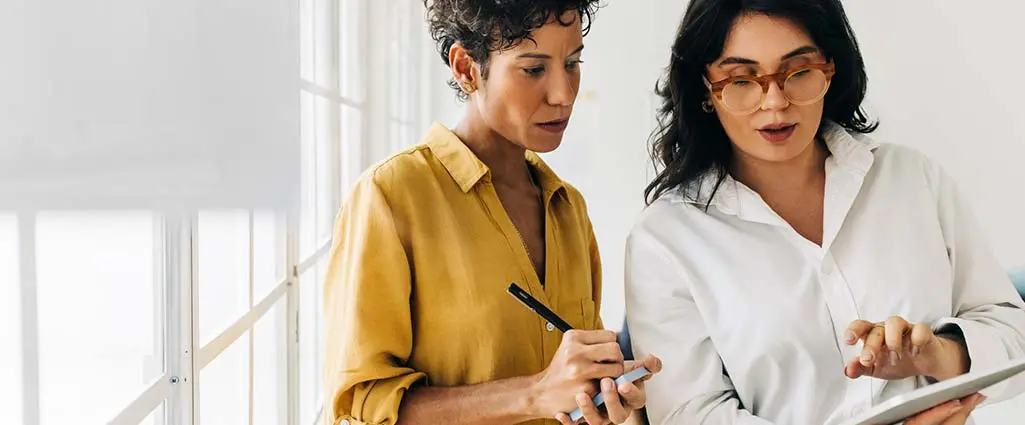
(462, 67)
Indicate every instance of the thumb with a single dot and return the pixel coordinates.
(652, 363)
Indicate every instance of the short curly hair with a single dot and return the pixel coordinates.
(483, 26)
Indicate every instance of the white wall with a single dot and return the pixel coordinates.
(942, 80)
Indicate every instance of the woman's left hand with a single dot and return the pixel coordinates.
(896, 349)
(620, 402)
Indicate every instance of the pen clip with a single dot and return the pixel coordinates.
(537, 307)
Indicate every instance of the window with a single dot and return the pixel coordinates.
(136, 317)
(99, 324)
(213, 316)
(221, 255)
(224, 386)
(309, 367)
(10, 322)
(224, 258)
(403, 48)
(334, 110)
(270, 244)
(156, 417)
(270, 367)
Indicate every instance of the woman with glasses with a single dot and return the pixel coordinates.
(789, 269)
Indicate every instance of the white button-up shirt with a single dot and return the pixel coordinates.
(749, 317)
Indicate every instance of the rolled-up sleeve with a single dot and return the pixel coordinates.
(986, 307)
(664, 320)
(367, 313)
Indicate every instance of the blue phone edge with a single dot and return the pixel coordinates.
(598, 400)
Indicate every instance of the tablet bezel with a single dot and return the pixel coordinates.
(907, 405)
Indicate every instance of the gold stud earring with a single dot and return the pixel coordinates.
(468, 88)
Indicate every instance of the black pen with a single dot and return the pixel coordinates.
(534, 305)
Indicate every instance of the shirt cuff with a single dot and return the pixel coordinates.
(985, 348)
(378, 403)
(348, 420)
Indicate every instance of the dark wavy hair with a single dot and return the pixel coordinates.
(689, 143)
(483, 26)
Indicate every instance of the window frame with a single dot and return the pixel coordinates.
(342, 160)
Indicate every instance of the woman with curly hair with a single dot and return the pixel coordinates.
(420, 329)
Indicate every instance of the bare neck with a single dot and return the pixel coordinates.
(806, 171)
(506, 160)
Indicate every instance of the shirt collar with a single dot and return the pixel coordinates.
(467, 170)
(848, 154)
(550, 182)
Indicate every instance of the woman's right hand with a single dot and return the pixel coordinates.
(953, 412)
(583, 358)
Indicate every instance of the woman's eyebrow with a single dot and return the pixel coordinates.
(734, 60)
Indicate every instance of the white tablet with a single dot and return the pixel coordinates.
(907, 405)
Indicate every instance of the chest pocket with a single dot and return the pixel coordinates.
(580, 313)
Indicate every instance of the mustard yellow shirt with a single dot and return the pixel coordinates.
(415, 292)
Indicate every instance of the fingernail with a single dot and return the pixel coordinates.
(658, 362)
(979, 399)
(914, 351)
(606, 384)
(894, 357)
(958, 406)
(866, 357)
(850, 337)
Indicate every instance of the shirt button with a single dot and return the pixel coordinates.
(550, 327)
